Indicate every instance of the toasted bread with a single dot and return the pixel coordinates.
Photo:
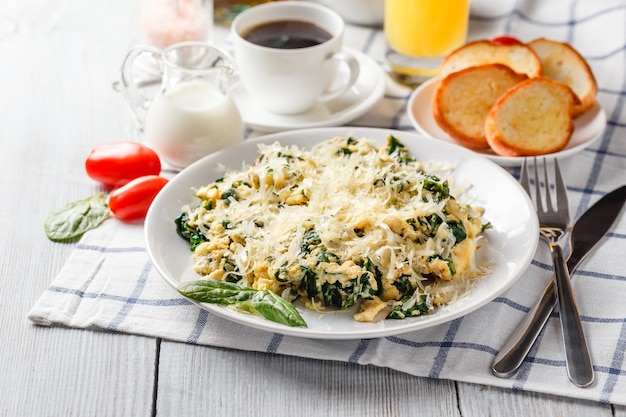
(519, 57)
(532, 118)
(563, 63)
(463, 99)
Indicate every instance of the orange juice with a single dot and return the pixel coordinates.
(426, 28)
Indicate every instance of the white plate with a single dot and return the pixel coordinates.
(364, 94)
(587, 128)
(510, 244)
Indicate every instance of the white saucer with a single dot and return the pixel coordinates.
(368, 89)
(587, 127)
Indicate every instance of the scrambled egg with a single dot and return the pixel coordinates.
(342, 224)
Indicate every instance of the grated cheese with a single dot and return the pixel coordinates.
(337, 225)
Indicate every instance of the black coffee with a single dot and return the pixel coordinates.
(287, 34)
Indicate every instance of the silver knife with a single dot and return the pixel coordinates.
(589, 229)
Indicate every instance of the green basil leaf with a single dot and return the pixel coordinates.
(248, 300)
(216, 292)
(71, 221)
(275, 308)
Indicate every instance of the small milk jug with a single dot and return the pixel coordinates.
(192, 114)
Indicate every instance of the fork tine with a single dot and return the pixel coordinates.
(539, 198)
(549, 202)
(561, 191)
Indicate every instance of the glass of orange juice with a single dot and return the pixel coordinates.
(420, 33)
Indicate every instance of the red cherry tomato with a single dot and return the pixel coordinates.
(117, 163)
(132, 200)
(505, 40)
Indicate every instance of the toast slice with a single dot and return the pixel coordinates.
(519, 57)
(463, 99)
(532, 118)
(563, 63)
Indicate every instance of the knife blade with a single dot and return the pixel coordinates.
(588, 230)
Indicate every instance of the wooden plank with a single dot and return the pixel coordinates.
(195, 380)
(480, 401)
(54, 371)
(61, 372)
(57, 102)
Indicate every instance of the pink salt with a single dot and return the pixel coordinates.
(165, 22)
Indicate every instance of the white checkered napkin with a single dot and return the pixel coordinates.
(109, 284)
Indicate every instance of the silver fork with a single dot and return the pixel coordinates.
(553, 223)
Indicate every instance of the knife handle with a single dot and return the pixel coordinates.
(577, 357)
(513, 353)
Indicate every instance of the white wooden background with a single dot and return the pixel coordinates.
(56, 102)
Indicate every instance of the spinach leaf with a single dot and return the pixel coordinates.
(422, 305)
(394, 146)
(187, 232)
(458, 230)
(439, 189)
(311, 240)
(311, 283)
(262, 302)
(71, 221)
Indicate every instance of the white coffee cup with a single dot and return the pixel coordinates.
(292, 80)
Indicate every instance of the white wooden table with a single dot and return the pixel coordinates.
(56, 102)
